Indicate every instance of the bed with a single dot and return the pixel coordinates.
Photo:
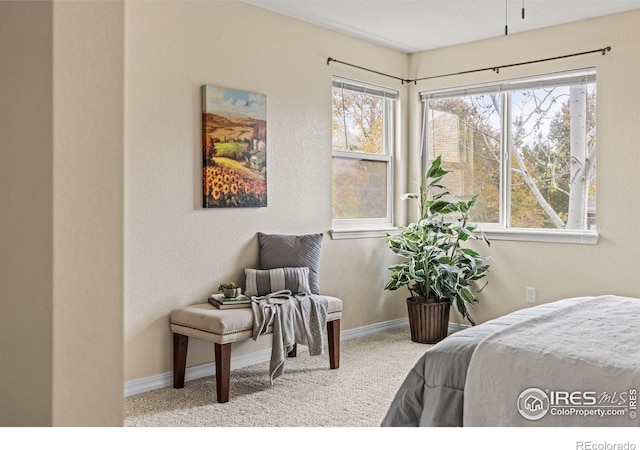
(573, 362)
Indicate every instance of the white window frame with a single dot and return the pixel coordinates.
(502, 230)
(370, 227)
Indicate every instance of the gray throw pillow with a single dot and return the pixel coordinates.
(263, 282)
(285, 250)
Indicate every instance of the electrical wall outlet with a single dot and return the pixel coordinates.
(530, 295)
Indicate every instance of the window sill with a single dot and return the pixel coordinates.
(360, 233)
(493, 234)
(556, 236)
(513, 234)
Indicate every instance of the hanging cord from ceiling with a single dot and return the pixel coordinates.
(506, 16)
(495, 69)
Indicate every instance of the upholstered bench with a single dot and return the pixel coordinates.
(226, 326)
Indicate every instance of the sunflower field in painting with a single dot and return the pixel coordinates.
(234, 148)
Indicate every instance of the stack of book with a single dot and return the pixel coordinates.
(222, 302)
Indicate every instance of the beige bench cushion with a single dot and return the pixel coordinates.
(204, 321)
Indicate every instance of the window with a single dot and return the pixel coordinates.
(362, 144)
(528, 147)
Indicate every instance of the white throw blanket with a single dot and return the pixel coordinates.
(296, 319)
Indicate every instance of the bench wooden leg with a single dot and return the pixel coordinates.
(294, 351)
(333, 336)
(180, 344)
(223, 371)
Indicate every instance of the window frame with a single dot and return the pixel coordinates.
(502, 229)
(374, 226)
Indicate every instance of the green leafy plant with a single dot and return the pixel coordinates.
(437, 267)
(228, 285)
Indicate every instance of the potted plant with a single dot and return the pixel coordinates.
(437, 269)
(230, 289)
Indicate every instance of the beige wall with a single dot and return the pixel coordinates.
(565, 270)
(61, 233)
(88, 45)
(176, 252)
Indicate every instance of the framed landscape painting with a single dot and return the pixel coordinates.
(234, 148)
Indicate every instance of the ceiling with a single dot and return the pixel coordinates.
(416, 25)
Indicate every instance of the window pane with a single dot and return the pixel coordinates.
(548, 129)
(359, 189)
(358, 122)
(465, 131)
(553, 157)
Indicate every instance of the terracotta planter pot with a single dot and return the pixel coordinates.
(429, 322)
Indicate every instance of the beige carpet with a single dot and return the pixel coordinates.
(308, 394)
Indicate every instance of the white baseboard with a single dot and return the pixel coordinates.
(206, 370)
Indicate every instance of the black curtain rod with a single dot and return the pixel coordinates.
(330, 60)
(495, 69)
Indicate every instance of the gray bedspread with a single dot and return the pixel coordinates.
(433, 393)
(575, 365)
